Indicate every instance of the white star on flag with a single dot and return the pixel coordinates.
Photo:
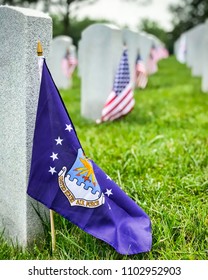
(68, 127)
(59, 141)
(108, 178)
(52, 170)
(54, 156)
(108, 192)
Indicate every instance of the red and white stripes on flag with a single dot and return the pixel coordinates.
(141, 76)
(68, 64)
(118, 106)
(121, 100)
(152, 61)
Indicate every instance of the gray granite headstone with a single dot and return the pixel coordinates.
(101, 50)
(59, 46)
(20, 30)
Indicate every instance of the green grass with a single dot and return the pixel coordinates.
(158, 155)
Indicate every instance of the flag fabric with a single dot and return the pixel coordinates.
(65, 180)
(40, 66)
(163, 52)
(141, 77)
(68, 64)
(73, 63)
(121, 99)
(152, 61)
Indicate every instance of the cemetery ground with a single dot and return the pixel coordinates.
(158, 155)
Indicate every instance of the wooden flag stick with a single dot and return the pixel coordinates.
(39, 49)
(53, 234)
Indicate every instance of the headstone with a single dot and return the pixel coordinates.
(101, 50)
(57, 61)
(80, 51)
(131, 39)
(176, 47)
(204, 84)
(145, 44)
(20, 30)
(193, 56)
(189, 44)
(197, 60)
(152, 55)
(159, 46)
(73, 51)
(180, 47)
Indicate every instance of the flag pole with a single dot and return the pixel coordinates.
(39, 49)
(53, 235)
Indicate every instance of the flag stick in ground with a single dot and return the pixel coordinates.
(53, 234)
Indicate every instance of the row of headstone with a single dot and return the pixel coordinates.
(191, 48)
(99, 52)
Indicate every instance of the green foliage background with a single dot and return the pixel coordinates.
(185, 15)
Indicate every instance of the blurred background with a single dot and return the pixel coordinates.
(166, 19)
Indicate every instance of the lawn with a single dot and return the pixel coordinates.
(158, 155)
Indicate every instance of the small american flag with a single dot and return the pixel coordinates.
(152, 67)
(68, 64)
(121, 99)
(141, 78)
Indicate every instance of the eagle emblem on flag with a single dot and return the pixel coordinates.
(80, 185)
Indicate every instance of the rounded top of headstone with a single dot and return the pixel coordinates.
(151, 37)
(112, 26)
(129, 30)
(63, 38)
(143, 34)
(129, 33)
(199, 27)
(25, 11)
(97, 26)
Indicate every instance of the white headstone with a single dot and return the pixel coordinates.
(79, 55)
(58, 68)
(131, 39)
(176, 47)
(101, 50)
(73, 51)
(180, 47)
(145, 44)
(194, 49)
(197, 35)
(20, 30)
(189, 44)
(204, 84)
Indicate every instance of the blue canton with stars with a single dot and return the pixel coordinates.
(123, 75)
